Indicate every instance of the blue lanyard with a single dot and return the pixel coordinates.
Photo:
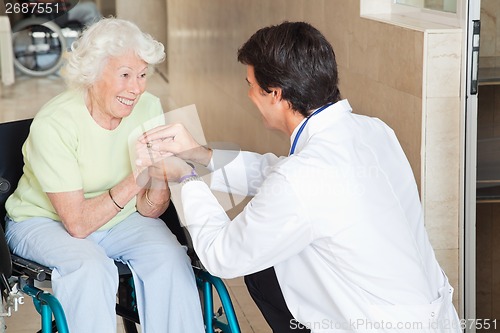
(299, 132)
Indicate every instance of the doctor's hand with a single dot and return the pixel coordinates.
(174, 139)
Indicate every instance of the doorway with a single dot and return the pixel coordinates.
(482, 165)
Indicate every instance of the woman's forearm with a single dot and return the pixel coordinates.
(82, 216)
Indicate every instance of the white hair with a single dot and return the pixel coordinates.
(109, 37)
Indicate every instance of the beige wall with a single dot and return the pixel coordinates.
(106, 7)
(378, 76)
(408, 78)
(490, 34)
(150, 16)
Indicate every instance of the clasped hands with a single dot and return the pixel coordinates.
(163, 150)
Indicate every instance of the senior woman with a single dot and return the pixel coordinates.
(80, 205)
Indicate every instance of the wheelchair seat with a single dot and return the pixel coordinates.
(26, 272)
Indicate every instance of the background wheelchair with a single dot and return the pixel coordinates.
(18, 275)
(42, 36)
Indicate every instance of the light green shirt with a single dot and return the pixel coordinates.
(67, 150)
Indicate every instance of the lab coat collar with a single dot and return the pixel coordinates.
(330, 114)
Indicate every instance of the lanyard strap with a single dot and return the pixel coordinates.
(299, 132)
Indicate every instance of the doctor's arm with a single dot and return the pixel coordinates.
(270, 229)
(250, 169)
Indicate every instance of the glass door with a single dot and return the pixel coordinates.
(468, 247)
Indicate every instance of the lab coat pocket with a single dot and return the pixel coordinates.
(433, 317)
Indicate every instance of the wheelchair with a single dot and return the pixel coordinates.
(42, 36)
(18, 275)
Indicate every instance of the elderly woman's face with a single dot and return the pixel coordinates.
(119, 87)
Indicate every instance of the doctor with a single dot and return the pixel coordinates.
(333, 239)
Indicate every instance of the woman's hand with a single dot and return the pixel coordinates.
(172, 168)
(174, 139)
(144, 158)
(159, 165)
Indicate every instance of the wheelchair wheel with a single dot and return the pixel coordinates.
(38, 46)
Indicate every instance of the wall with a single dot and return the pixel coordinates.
(489, 50)
(409, 78)
(106, 7)
(442, 148)
(373, 74)
(150, 16)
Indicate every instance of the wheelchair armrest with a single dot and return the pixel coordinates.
(195, 260)
(31, 269)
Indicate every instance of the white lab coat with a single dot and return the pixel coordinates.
(341, 222)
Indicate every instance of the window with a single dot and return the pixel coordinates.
(437, 13)
(449, 6)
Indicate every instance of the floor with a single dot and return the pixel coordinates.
(22, 100)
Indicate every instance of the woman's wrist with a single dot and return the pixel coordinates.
(154, 203)
(114, 201)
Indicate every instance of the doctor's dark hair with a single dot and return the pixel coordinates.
(297, 58)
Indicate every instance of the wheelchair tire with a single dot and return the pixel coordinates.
(38, 46)
(3, 326)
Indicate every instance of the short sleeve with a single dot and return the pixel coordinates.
(51, 152)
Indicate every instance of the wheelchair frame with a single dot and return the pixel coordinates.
(43, 34)
(18, 275)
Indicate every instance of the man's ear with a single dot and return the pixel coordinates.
(276, 94)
